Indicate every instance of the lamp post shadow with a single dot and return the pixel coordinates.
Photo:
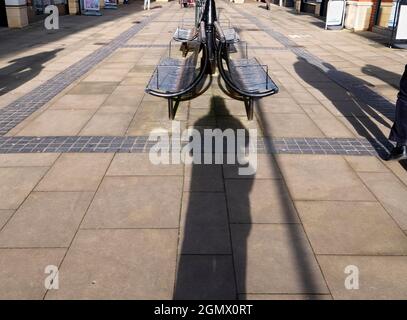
(367, 111)
(206, 268)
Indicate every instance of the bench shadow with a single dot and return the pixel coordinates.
(206, 268)
(358, 108)
(22, 70)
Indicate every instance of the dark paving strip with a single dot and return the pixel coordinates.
(20, 109)
(141, 144)
(352, 84)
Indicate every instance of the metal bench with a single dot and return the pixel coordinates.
(184, 34)
(247, 78)
(175, 78)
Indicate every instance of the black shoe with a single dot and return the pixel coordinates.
(398, 153)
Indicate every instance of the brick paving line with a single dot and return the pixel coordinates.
(141, 144)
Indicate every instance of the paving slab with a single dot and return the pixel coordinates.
(119, 264)
(391, 193)
(314, 177)
(131, 202)
(351, 228)
(366, 164)
(108, 124)
(249, 203)
(5, 216)
(79, 101)
(17, 183)
(205, 277)
(57, 123)
(49, 219)
(204, 224)
(141, 165)
(289, 125)
(22, 272)
(28, 160)
(201, 178)
(267, 168)
(379, 277)
(275, 258)
(76, 172)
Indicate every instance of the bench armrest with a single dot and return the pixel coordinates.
(220, 31)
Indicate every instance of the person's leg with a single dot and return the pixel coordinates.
(398, 132)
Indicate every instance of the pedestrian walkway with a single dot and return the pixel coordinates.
(78, 191)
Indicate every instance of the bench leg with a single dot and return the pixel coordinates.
(171, 112)
(249, 108)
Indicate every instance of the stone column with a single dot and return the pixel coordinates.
(358, 15)
(17, 15)
(73, 6)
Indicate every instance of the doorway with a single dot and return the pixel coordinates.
(3, 14)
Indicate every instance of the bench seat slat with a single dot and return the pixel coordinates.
(182, 34)
(173, 75)
(250, 75)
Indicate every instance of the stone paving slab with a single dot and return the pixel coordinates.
(22, 271)
(313, 178)
(131, 202)
(12, 194)
(50, 219)
(383, 277)
(351, 228)
(76, 172)
(267, 261)
(96, 253)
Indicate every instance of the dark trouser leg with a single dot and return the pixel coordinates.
(399, 131)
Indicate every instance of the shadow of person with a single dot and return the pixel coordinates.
(206, 268)
(22, 70)
(364, 109)
(391, 78)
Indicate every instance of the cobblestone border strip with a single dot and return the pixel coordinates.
(141, 144)
(353, 85)
(23, 107)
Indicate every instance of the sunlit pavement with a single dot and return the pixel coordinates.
(78, 190)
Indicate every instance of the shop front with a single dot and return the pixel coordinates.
(3, 14)
(35, 8)
(317, 7)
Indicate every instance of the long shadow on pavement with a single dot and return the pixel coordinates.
(22, 70)
(359, 108)
(206, 268)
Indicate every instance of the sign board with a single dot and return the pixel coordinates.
(335, 15)
(401, 33)
(110, 4)
(392, 19)
(399, 30)
(91, 5)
